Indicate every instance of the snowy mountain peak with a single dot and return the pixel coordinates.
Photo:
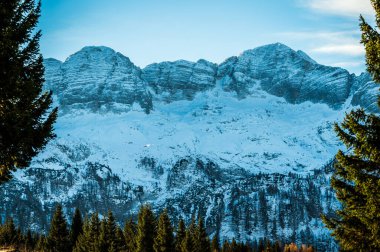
(99, 79)
(305, 56)
(270, 48)
(98, 55)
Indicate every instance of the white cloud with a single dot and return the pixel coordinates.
(341, 49)
(341, 7)
(333, 37)
(348, 64)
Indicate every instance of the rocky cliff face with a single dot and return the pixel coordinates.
(97, 79)
(284, 72)
(181, 79)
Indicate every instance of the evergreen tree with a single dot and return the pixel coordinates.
(58, 239)
(215, 244)
(188, 244)
(41, 243)
(356, 179)
(81, 243)
(130, 230)
(19, 238)
(146, 229)
(8, 233)
(29, 241)
(88, 241)
(119, 241)
(233, 245)
(104, 242)
(164, 240)
(277, 247)
(202, 242)
(107, 236)
(180, 235)
(226, 246)
(76, 227)
(26, 124)
(261, 245)
(111, 229)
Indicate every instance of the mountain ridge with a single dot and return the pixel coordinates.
(280, 71)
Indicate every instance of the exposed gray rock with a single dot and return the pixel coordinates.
(180, 79)
(284, 72)
(360, 81)
(367, 97)
(98, 78)
(53, 75)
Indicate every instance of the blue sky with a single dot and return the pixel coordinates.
(150, 31)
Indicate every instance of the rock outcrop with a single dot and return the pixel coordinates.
(180, 80)
(98, 79)
(283, 72)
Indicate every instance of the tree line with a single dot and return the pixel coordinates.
(151, 232)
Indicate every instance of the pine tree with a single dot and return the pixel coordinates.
(107, 235)
(130, 230)
(215, 244)
(111, 229)
(164, 240)
(88, 241)
(58, 239)
(104, 242)
(41, 244)
(180, 235)
(81, 243)
(26, 121)
(356, 179)
(261, 245)
(146, 229)
(233, 245)
(119, 241)
(277, 247)
(188, 244)
(202, 242)
(29, 243)
(76, 227)
(226, 246)
(8, 234)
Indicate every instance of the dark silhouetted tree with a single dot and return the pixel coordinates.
(130, 230)
(76, 227)
(26, 121)
(58, 239)
(146, 229)
(164, 240)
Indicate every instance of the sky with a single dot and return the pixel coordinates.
(149, 31)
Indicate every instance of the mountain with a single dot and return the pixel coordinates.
(248, 143)
(97, 79)
(286, 73)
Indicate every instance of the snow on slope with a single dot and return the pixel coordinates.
(261, 133)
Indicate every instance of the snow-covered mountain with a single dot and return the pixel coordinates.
(195, 137)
